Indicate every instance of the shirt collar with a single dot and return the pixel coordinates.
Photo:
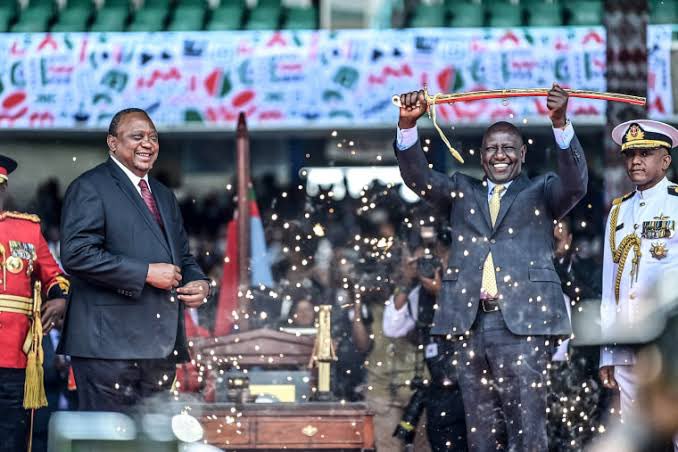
(132, 177)
(491, 185)
(655, 191)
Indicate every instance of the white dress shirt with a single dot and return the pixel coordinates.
(399, 322)
(132, 177)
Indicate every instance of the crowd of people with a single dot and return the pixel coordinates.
(380, 361)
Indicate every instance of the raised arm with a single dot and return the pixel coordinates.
(434, 187)
(569, 186)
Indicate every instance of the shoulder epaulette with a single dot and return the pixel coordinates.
(23, 216)
(621, 199)
(673, 190)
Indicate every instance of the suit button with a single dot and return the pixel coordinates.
(632, 295)
(493, 241)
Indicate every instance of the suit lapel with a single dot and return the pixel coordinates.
(128, 189)
(516, 187)
(164, 210)
(480, 192)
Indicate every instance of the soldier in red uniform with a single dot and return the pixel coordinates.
(24, 259)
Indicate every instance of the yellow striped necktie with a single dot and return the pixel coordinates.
(489, 282)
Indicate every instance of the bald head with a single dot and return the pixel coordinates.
(505, 127)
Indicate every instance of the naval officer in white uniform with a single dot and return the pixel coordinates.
(640, 243)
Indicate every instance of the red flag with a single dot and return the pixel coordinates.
(260, 268)
(228, 292)
(192, 328)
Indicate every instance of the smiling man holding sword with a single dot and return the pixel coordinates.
(500, 297)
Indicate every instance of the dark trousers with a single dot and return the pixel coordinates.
(503, 385)
(120, 385)
(14, 419)
(445, 427)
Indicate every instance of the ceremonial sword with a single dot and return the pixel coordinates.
(441, 98)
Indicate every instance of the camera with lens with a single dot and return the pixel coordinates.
(428, 265)
(407, 427)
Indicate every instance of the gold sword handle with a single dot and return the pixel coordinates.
(431, 101)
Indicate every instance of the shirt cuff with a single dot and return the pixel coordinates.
(405, 138)
(564, 136)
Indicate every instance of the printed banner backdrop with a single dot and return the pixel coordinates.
(659, 91)
(282, 80)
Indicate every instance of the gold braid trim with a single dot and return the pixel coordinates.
(34, 388)
(614, 215)
(432, 111)
(22, 216)
(620, 254)
(619, 258)
(63, 283)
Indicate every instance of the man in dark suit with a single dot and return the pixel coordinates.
(500, 296)
(126, 249)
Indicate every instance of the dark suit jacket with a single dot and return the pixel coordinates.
(521, 241)
(109, 238)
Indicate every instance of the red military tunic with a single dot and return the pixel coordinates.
(24, 258)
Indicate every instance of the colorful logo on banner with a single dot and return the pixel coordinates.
(288, 79)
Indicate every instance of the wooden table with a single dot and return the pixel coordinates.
(289, 426)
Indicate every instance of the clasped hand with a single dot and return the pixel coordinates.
(168, 277)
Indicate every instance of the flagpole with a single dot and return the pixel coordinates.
(243, 163)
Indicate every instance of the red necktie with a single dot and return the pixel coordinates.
(150, 202)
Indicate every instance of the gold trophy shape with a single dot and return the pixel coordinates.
(323, 354)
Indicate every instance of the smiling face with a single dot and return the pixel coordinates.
(135, 143)
(503, 153)
(646, 167)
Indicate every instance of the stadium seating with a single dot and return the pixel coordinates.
(117, 3)
(544, 15)
(428, 16)
(663, 12)
(195, 15)
(504, 15)
(585, 12)
(80, 4)
(274, 4)
(8, 12)
(35, 17)
(149, 18)
(73, 18)
(465, 14)
(264, 17)
(110, 19)
(188, 18)
(226, 17)
(300, 19)
(159, 4)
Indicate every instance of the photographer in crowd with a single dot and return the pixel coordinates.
(351, 322)
(391, 364)
(412, 315)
